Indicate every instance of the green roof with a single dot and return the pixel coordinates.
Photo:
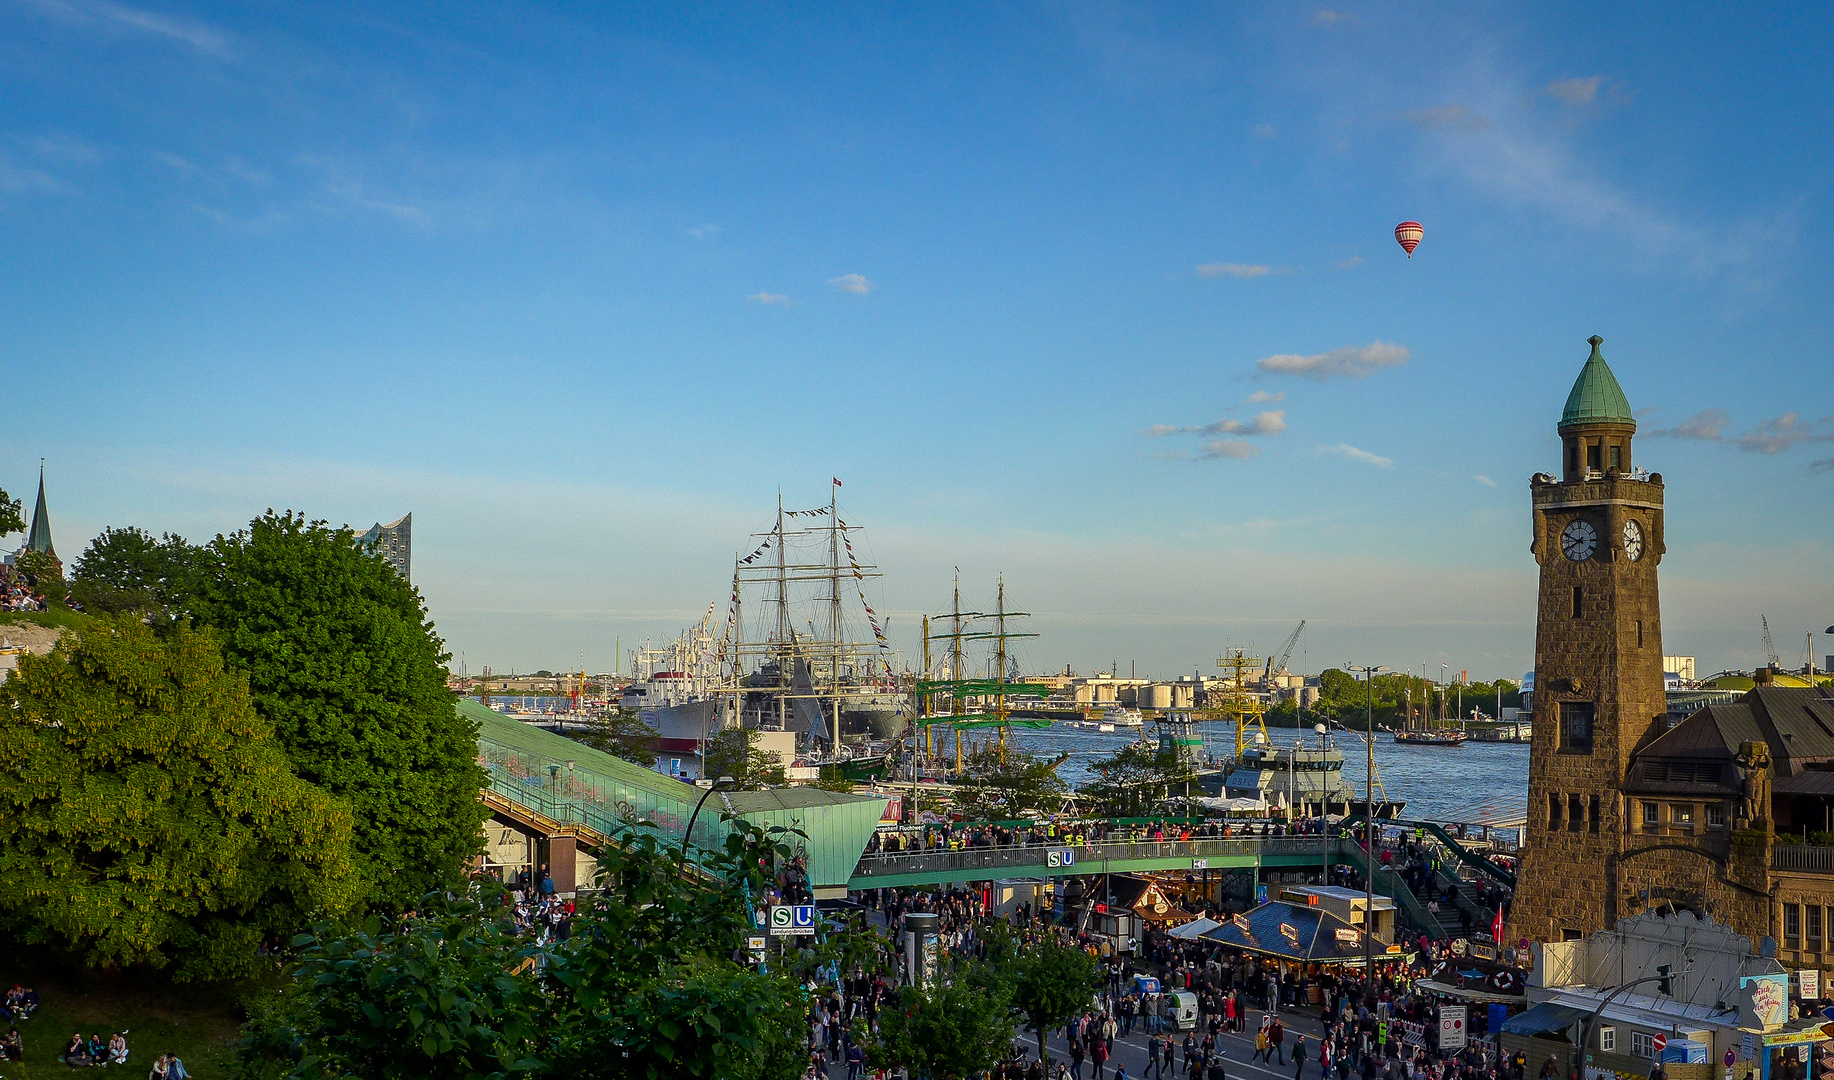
(604, 792)
(1596, 396)
(39, 539)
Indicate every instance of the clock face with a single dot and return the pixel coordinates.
(1579, 540)
(1633, 540)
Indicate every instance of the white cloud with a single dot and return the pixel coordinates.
(705, 232)
(106, 13)
(17, 178)
(1265, 423)
(1773, 436)
(1227, 448)
(1264, 131)
(1241, 270)
(1351, 263)
(853, 283)
(1345, 450)
(768, 298)
(1333, 18)
(1707, 424)
(1484, 480)
(1351, 360)
(1260, 397)
(1455, 117)
(1575, 91)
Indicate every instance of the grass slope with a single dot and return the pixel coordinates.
(194, 1022)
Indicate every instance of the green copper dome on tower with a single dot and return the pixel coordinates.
(1596, 396)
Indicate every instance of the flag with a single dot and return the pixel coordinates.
(837, 481)
(1496, 926)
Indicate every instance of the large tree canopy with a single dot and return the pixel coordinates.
(128, 570)
(342, 661)
(146, 815)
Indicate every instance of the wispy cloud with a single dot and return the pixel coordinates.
(769, 298)
(1706, 424)
(1484, 480)
(1264, 131)
(1351, 263)
(1241, 270)
(853, 283)
(1354, 361)
(1345, 450)
(1262, 397)
(1455, 117)
(1769, 437)
(1332, 18)
(17, 179)
(1575, 92)
(1824, 465)
(705, 232)
(107, 14)
(343, 189)
(1266, 423)
(1237, 449)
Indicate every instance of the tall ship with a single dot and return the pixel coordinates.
(802, 650)
(957, 698)
(1421, 731)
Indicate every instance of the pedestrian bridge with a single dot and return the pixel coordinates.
(908, 868)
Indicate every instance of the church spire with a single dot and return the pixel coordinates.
(39, 539)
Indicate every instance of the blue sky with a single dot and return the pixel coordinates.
(1101, 297)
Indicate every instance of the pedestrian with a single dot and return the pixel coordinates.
(1098, 1054)
(1277, 1036)
(1261, 1043)
(1298, 1054)
(1076, 1059)
(1152, 1059)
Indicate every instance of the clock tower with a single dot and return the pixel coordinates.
(1599, 689)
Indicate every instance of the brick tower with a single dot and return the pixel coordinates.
(1599, 690)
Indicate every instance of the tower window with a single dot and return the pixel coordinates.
(1576, 813)
(1592, 816)
(1652, 816)
(1617, 456)
(1639, 633)
(1572, 455)
(1553, 810)
(1579, 601)
(1576, 727)
(1592, 456)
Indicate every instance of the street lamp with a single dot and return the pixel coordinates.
(722, 784)
(1369, 829)
(554, 782)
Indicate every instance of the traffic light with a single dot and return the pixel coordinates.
(1667, 984)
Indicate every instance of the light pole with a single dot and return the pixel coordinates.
(1369, 829)
(721, 784)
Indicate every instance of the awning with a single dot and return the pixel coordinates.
(1195, 929)
(1544, 1018)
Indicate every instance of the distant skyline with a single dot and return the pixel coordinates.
(1104, 298)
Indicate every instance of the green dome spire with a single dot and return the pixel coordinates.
(1596, 396)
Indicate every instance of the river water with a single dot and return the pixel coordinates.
(1434, 781)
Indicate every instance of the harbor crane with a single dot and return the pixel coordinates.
(1278, 667)
(1770, 651)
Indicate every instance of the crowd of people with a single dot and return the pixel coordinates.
(1071, 832)
(16, 594)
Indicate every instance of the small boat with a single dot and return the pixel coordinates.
(1117, 716)
(1440, 737)
(1107, 728)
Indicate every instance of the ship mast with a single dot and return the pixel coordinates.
(834, 580)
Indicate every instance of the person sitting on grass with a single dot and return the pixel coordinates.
(12, 1048)
(98, 1050)
(117, 1049)
(169, 1067)
(78, 1052)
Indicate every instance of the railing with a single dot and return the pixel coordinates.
(1803, 858)
(1017, 857)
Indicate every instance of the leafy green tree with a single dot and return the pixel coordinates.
(832, 778)
(1051, 982)
(951, 1031)
(1136, 779)
(128, 570)
(647, 986)
(146, 814)
(622, 734)
(735, 753)
(341, 660)
(998, 784)
(43, 572)
(12, 519)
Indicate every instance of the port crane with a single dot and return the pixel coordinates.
(1278, 667)
(1770, 651)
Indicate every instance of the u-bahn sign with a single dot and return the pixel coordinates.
(1060, 857)
(792, 920)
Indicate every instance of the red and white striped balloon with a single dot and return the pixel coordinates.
(1408, 235)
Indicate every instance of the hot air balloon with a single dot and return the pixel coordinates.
(1408, 235)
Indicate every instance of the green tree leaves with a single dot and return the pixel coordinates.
(1136, 779)
(622, 734)
(11, 519)
(128, 571)
(951, 1031)
(342, 663)
(145, 814)
(735, 753)
(1051, 982)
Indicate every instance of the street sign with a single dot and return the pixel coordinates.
(1200, 864)
(1748, 1046)
(1451, 1027)
(756, 946)
(792, 920)
(1729, 1058)
(1060, 857)
(1659, 1042)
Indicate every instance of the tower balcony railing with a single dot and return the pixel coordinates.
(1802, 858)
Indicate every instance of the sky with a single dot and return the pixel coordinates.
(1101, 298)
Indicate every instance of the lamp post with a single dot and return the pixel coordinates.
(1369, 864)
(721, 784)
(554, 782)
